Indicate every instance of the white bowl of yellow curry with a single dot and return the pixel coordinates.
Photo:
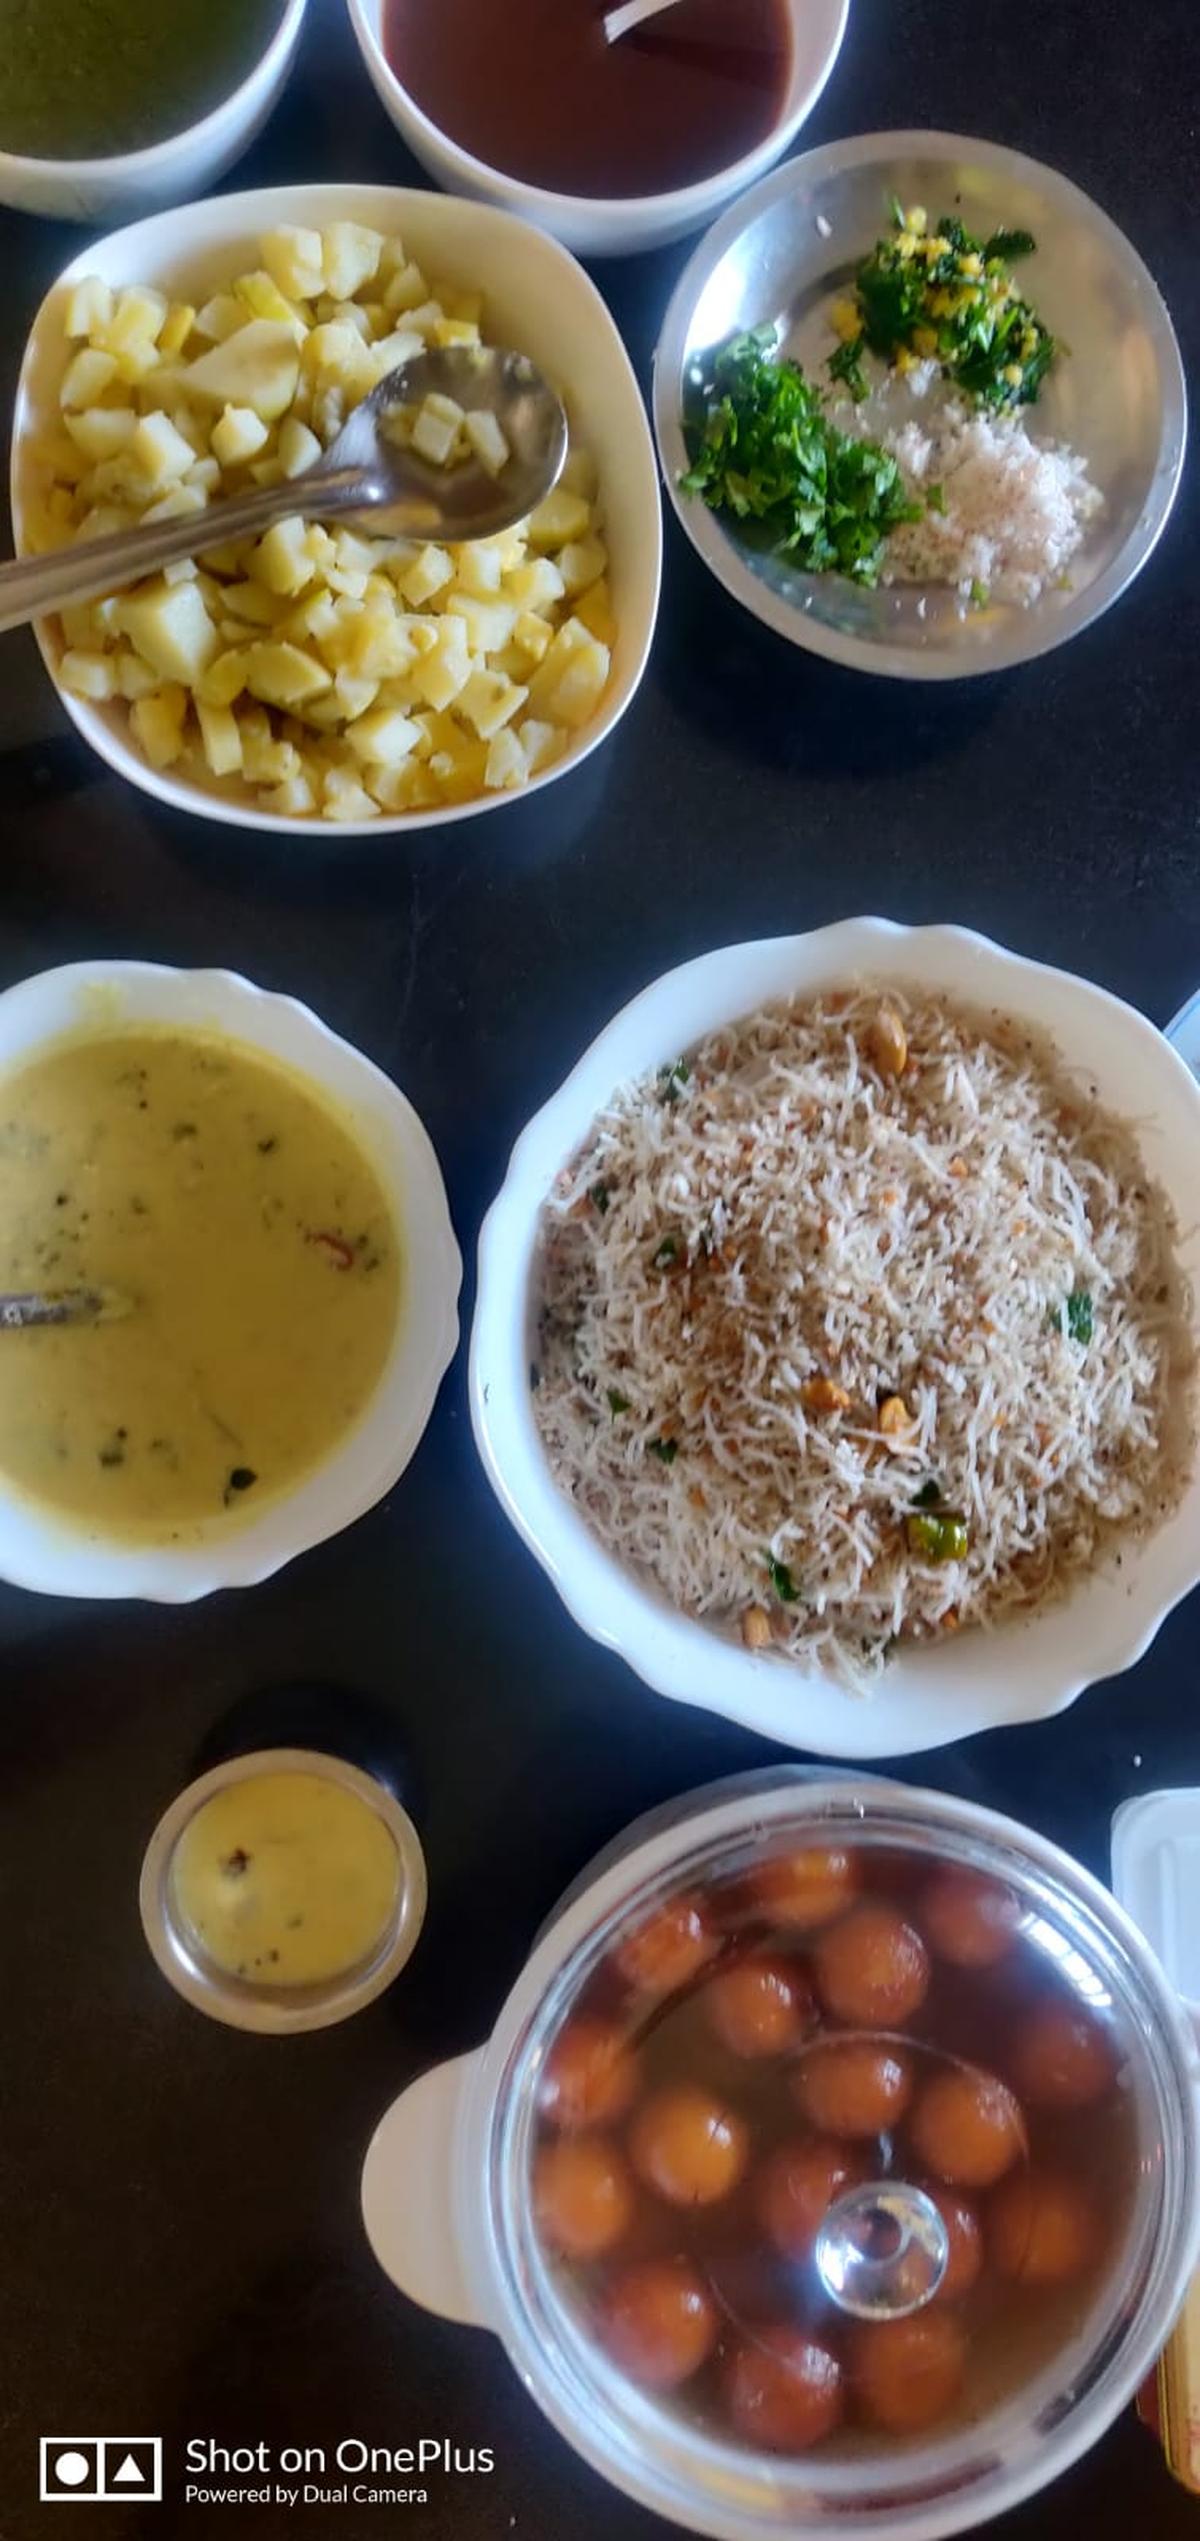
(260, 1219)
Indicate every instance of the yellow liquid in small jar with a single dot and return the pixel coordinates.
(286, 1879)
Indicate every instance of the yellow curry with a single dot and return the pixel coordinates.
(245, 1227)
(286, 1878)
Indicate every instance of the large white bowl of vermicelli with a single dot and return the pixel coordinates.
(836, 1340)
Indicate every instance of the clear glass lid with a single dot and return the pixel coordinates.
(841, 2163)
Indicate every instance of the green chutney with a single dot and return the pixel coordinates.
(92, 79)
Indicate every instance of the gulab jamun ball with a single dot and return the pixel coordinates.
(872, 1967)
(750, 2051)
(783, 2390)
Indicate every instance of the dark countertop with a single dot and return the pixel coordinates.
(182, 2248)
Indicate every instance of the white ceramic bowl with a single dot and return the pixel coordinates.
(928, 1696)
(599, 225)
(186, 163)
(537, 298)
(39, 1550)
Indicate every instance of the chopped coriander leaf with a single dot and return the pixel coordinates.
(764, 452)
(617, 1403)
(666, 1449)
(979, 595)
(782, 1581)
(935, 498)
(928, 1495)
(929, 291)
(1080, 1322)
(599, 1195)
(671, 1081)
(668, 1253)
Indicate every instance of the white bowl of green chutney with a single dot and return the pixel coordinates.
(118, 108)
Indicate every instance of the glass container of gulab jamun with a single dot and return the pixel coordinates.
(833, 2165)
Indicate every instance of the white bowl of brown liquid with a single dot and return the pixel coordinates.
(612, 147)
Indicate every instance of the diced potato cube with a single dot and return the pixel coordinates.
(405, 289)
(489, 623)
(158, 451)
(86, 379)
(345, 799)
(328, 410)
(258, 745)
(568, 685)
(176, 328)
(157, 723)
(354, 693)
(221, 316)
(137, 319)
(224, 679)
(264, 299)
(542, 743)
(183, 570)
(281, 559)
(257, 367)
(460, 773)
(506, 761)
(487, 440)
(281, 675)
(266, 471)
(134, 677)
(488, 700)
(251, 604)
(595, 612)
(238, 436)
(531, 635)
(436, 429)
(179, 503)
(391, 352)
(205, 474)
(384, 735)
(294, 797)
(454, 331)
(350, 256)
(467, 305)
(560, 516)
(298, 447)
(335, 356)
(348, 313)
(579, 475)
(171, 629)
(134, 362)
(317, 616)
(221, 738)
(89, 308)
(80, 630)
(581, 562)
(429, 573)
(91, 675)
(102, 430)
(438, 676)
(477, 570)
(293, 259)
(536, 585)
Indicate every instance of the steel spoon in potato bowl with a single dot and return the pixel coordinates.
(457, 443)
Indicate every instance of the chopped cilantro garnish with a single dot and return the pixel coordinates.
(782, 1581)
(617, 1403)
(935, 498)
(928, 1495)
(930, 291)
(671, 1081)
(979, 595)
(764, 452)
(599, 1195)
(666, 1449)
(667, 1254)
(1079, 1318)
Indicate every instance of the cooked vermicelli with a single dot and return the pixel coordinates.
(861, 1322)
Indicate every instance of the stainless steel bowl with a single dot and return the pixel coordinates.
(791, 245)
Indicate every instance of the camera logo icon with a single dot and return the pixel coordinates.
(100, 2470)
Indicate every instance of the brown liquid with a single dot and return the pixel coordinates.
(532, 87)
(1012, 2329)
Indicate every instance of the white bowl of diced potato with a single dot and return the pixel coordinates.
(319, 677)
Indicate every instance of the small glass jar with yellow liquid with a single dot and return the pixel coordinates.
(283, 1890)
